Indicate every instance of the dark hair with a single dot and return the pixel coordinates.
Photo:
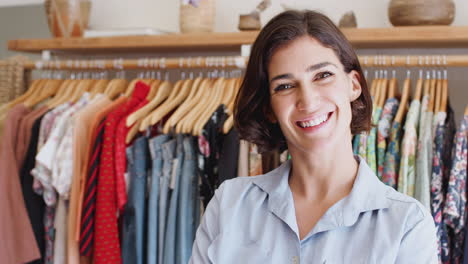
(253, 105)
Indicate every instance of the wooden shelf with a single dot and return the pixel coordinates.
(394, 37)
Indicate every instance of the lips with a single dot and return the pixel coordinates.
(313, 122)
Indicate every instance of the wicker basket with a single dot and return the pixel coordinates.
(197, 19)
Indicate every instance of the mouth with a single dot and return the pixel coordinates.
(315, 122)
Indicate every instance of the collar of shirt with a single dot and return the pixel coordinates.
(368, 193)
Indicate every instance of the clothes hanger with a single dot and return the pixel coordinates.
(163, 91)
(404, 100)
(466, 111)
(33, 90)
(82, 87)
(444, 100)
(49, 90)
(66, 92)
(61, 91)
(229, 123)
(432, 94)
(163, 110)
(419, 86)
(378, 85)
(219, 93)
(98, 87)
(175, 97)
(438, 93)
(115, 88)
(203, 94)
(154, 85)
(140, 115)
(184, 107)
(195, 114)
(383, 92)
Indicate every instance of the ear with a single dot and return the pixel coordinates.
(355, 87)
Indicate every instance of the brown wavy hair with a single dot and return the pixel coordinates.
(252, 105)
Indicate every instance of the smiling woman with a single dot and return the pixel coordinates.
(304, 90)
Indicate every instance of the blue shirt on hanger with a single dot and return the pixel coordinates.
(252, 220)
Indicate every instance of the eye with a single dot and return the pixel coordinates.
(282, 87)
(323, 75)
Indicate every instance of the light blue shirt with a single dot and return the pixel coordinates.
(252, 220)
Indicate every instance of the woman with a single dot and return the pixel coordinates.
(304, 90)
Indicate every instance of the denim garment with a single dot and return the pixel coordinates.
(185, 214)
(252, 220)
(155, 145)
(134, 217)
(128, 219)
(168, 150)
(171, 226)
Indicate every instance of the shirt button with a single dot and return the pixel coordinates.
(295, 260)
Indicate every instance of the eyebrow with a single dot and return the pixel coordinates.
(309, 69)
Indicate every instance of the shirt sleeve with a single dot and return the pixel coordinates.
(207, 231)
(419, 244)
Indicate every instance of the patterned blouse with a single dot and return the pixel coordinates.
(392, 157)
(407, 173)
(372, 140)
(454, 212)
(388, 113)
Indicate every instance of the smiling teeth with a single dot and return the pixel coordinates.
(314, 122)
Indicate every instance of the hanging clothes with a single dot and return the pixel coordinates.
(424, 156)
(406, 178)
(392, 157)
(383, 132)
(454, 214)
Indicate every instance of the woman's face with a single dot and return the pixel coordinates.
(311, 94)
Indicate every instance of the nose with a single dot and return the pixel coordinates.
(308, 99)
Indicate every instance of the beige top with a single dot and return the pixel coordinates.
(17, 243)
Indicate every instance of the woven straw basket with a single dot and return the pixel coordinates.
(197, 19)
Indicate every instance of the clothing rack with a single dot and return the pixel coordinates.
(238, 62)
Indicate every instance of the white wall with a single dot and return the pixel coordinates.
(163, 14)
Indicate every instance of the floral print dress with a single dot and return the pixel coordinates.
(372, 141)
(441, 161)
(454, 213)
(406, 178)
(383, 132)
(423, 156)
(392, 157)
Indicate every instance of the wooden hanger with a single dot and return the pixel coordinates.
(229, 123)
(219, 93)
(49, 89)
(115, 88)
(82, 87)
(184, 107)
(444, 100)
(203, 94)
(67, 90)
(33, 89)
(383, 93)
(163, 110)
(430, 107)
(438, 95)
(136, 119)
(392, 88)
(188, 123)
(418, 91)
(404, 101)
(373, 86)
(377, 91)
(61, 91)
(154, 85)
(466, 110)
(131, 86)
(98, 87)
(162, 93)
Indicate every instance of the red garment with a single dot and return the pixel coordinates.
(120, 154)
(106, 240)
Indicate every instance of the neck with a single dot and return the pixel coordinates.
(323, 175)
